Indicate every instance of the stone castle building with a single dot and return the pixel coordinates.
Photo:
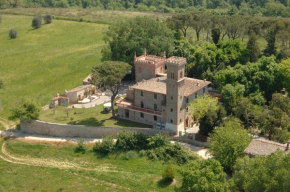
(160, 98)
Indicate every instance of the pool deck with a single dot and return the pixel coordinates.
(101, 100)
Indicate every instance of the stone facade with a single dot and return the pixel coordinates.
(160, 99)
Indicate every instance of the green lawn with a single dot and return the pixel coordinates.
(112, 173)
(90, 116)
(45, 61)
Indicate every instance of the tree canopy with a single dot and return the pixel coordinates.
(26, 109)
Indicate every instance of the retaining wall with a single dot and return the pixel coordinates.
(65, 130)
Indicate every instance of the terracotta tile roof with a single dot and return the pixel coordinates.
(158, 85)
(58, 97)
(264, 147)
(79, 88)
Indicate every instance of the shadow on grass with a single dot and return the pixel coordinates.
(88, 122)
(164, 183)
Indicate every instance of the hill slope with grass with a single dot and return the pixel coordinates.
(43, 62)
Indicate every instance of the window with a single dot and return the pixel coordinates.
(155, 96)
(186, 109)
(180, 120)
(155, 118)
(141, 93)
(187, 100)
(181, 74)
(203, 90)
(126, 113)
(142, 115)
(171, 97)
(155, 107)
(195, 95)
(140, 69)
(172, 75)
(171, 110)
(171, 121)
(142, 104)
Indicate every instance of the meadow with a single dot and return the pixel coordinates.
(42, 62)
(56, 167)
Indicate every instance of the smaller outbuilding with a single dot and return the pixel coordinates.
(261, 147)
(80, 93)
(59, 101)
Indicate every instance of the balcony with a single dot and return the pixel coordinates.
(128, 105)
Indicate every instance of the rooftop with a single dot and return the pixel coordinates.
(177, 60)
(158, 85)
(151, 59)
(79, 88)
(264, 147)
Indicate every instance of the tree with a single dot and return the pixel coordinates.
(199, 22)
(253, 47)
(228, 143)
(111, 74)
(203, 176)
(181, 22)
(47, 18)
(13, 34)
(215, 35)
(26, 109)
(202, 105)
(134, 35)
(284, 71)
(37, 21)
(231, 94)
(265, 173)
(168, 174)
(271, 40)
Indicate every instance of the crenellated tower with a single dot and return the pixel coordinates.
(175, 103)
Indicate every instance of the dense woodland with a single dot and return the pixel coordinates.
(224, 7)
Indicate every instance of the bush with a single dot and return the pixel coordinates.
(80, 147)
(37, 21)
(47, 18)
(26, 109)
(106, 146)
(130, 155)
(158, 140)
(13, 34)
(168, 174)
(129, 141)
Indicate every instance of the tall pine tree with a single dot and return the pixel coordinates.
(253, 47)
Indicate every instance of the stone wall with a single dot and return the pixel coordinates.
(65, 130)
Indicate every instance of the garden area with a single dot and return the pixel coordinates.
(95, 116)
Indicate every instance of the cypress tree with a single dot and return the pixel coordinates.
(215, 35)
(271, 39)
(253, 47)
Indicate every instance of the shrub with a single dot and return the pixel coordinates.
(168, 174)
(130, 155)
(106, 146)
(37, 21)
(158, 140)
(13, 34)
(80, 148)
(47, 18)
(127, 140)
(26, 109)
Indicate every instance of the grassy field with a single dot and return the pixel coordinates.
(88, 15)
(90, 173)
(91, 117)
(45, 61)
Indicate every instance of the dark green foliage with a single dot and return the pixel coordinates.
(228, 143)
(47, 18)
(215, 35)
(265, 173)
(158, 140)
(168, 174)
(13, 34)
(80, 148)
(127, 140)
(26, 109)
(170, 153)
(139, 33)
(271, 40)
(106, 146)
(203, 176)
(253, 47)
(1, 83)
(231, 95)
(130, 155)
(37, 21)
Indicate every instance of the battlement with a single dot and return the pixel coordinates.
(149, 59)
(176, 60)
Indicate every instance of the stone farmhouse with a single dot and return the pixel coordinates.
(160, 98)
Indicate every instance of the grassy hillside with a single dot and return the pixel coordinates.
(56, 167)
(45, 61)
